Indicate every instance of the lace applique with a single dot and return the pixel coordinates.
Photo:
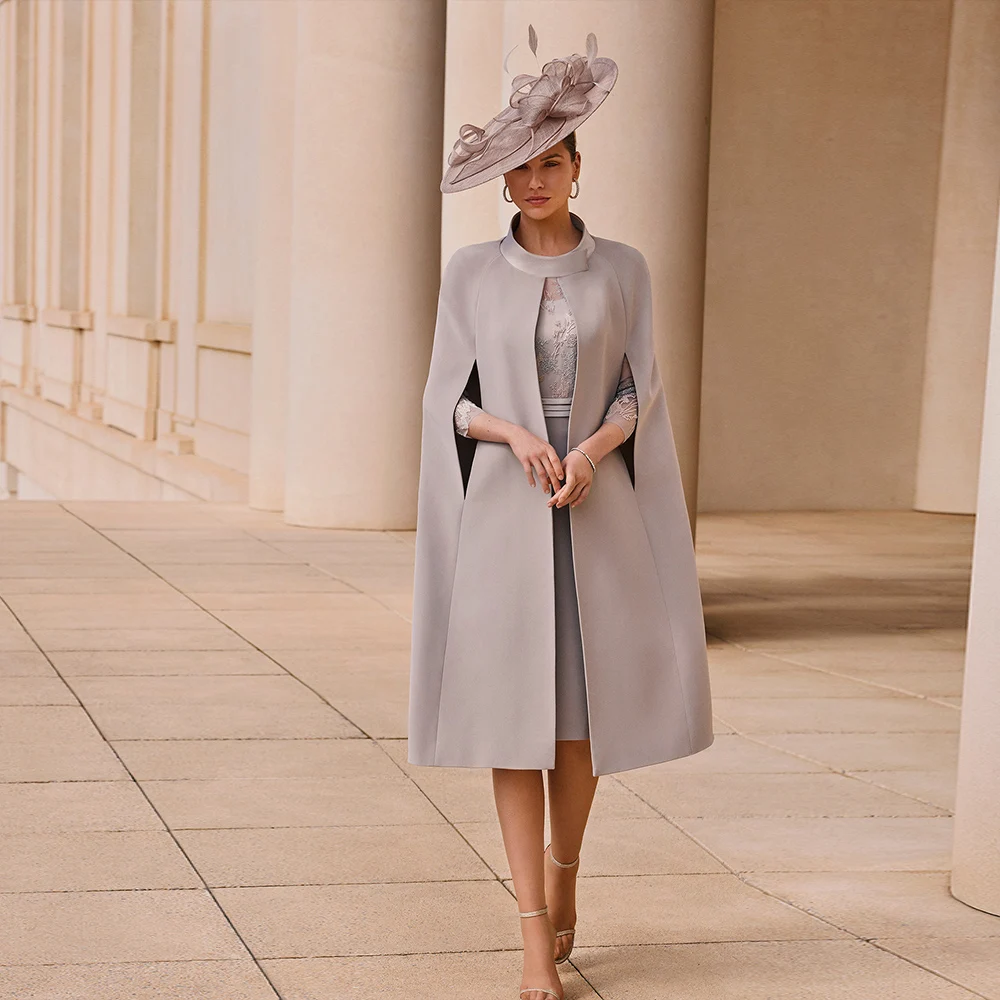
(555, 343)
(465, 410)
(624, 408)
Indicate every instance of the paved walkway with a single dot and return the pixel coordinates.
(205, 794)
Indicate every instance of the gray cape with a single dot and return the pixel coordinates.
(482, 669)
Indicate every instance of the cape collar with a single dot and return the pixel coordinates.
(542, 265)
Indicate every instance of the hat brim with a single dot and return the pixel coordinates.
(480, 168)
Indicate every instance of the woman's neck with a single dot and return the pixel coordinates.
(548, 237)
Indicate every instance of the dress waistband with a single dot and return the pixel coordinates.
(553, 406)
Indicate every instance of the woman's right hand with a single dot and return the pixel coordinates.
(536, 456)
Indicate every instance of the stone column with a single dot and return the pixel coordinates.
(365, 257)
(272, 300)
(964, 244)
(644, 169)
(975, 877)
(475, 90)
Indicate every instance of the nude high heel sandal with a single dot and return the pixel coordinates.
(571, 932)
(536, 989)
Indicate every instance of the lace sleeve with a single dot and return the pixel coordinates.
(624, 408)
(465, 410)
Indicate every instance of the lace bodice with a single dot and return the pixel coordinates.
(555, 357)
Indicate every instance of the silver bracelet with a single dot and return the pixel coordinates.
(587, 457)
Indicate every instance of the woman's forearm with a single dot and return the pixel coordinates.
(487, 427)
(603, 441)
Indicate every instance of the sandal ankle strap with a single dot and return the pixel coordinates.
(535, 913)
(572, 864)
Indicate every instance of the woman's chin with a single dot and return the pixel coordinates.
(541, 210)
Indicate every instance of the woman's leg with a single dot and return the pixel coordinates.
(520, 800)
(571, 793)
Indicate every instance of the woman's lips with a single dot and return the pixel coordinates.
(537, 201)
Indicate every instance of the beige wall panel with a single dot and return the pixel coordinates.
(68, 194)
(82, 458)
(826, 130)
(144, 158)
(167, 395)
(59, 362)
(15, 151)
(188, 66)
(130, 400)
(40, 223)
(8, 78)
(222, 397)
(121, 106)
(102, 178)
(223, 426)
(71, 470)
(230, 219)
(272, 267)
(13, 350)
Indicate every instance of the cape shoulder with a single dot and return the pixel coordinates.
(468, 264)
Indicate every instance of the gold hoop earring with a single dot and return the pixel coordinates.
(510, 201)
(577, 183)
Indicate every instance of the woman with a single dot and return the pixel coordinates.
(564, 636)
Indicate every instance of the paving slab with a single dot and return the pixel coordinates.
(972, 962)
(47, 807)
(287, 802)
(256, 759)
(35, 691)
(771, 970)
(90, 759)
(876, 904)
(61, 862)
(333, 855)
(399, 919)
(613, 846)
(25, 663)
(830, 843)
(175, 980)
(661, 909)
(484, 975)
(162, 662)
(113, 926)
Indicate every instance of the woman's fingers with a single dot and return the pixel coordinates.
(583, 496)
(574, 493)
(568, 493)
(556, 463)
(539, 466)
(552, 470)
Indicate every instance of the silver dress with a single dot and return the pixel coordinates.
(555, 356)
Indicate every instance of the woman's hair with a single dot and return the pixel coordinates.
(570, 141)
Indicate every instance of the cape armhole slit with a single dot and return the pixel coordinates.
(466, 446)
(627, 447)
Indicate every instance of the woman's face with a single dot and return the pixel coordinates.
(542, 186)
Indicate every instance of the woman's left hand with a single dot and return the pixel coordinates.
(579, 477)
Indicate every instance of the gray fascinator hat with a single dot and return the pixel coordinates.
(543, 110)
